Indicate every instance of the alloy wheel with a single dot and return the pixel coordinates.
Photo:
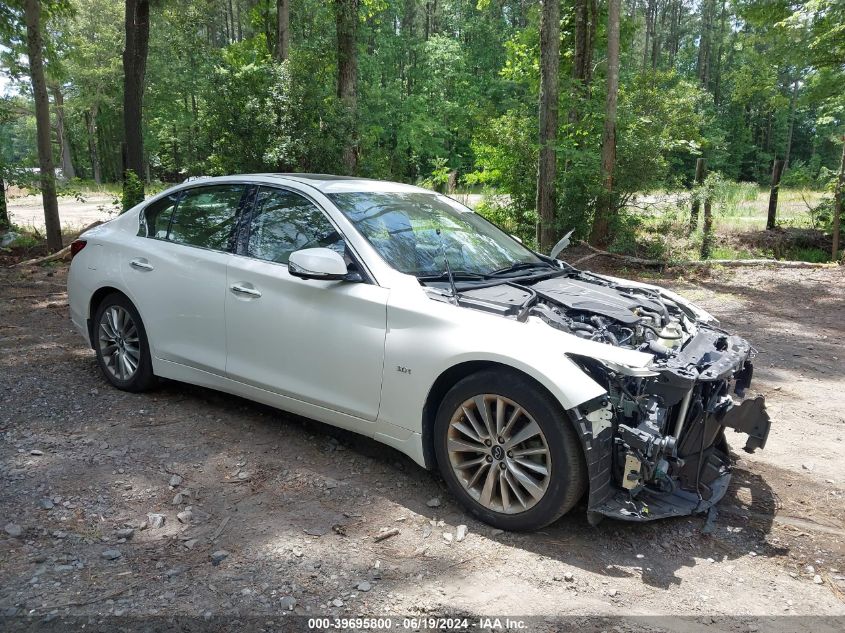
(499, 454)
(120, 345)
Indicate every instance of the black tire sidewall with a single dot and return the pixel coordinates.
(143, 378)
(568, 466)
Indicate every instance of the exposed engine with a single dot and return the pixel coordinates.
(630, 317)
(592, 309)
(659, 433)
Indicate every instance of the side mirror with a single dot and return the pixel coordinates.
(317, 263)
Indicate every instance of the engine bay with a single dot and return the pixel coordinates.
(593, 309)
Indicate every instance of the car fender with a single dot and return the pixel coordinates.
(104, 255)
(426, 338)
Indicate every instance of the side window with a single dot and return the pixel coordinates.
(285, 222)
(156, 217)
(205, 216)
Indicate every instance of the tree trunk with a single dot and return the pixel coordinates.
(240, 22)
(707, 230)
(582, 64)
(777, 170)
(549, 89)
(837, 204)
(792, 101)
(700, 170)
(650, 10)
(68, 171)
(704, 45)
(585, 31)
(233, 28)
(91, 124)
(5, 224)
(32, 16)
(674, 24)
(605, 209)
(657, 35)
(282, 29)
(582, 18)
(409, 35)
(716, 74)
(347, 74)
(593, 9)
(137, 24)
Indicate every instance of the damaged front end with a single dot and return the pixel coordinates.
(655, 441)
(655, 444)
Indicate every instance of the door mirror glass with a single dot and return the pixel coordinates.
(317, 263)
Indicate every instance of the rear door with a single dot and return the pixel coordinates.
(321, 342)
(177, 273)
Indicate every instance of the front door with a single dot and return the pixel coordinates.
(321, 342)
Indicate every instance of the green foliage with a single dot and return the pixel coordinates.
(133, 190)
(662, 120)
(25, 239)
(439, 176)
(505, 152)
(498, 210)
(447, 87)
(807, 254)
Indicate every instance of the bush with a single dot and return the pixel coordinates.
(133, 190)
(501, 212)
(439, 177)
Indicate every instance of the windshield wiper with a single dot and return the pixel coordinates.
(519, 266)
(461, 275)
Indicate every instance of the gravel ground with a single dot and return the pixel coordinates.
(184, 501)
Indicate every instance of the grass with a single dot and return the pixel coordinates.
(742, 207)
(745, 207)
(26, 238)
(727, 252)
(740, 211)
(804, 254)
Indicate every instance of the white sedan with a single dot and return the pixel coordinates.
(400, 314)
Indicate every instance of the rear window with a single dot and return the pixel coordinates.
(155, 219)
(205, 216)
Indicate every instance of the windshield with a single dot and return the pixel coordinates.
(403, 229)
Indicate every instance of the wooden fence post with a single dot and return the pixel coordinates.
(771, 221)
(707, 239)
(700, 170)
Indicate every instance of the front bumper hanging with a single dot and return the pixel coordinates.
(639, 474)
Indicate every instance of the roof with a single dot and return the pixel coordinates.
(329, 183)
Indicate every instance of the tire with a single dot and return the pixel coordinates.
(460, 442)
(118, 331)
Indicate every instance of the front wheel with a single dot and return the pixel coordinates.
(508, 452)
(123, 351)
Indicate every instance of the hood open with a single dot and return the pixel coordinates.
(639, 323)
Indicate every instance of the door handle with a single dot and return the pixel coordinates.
(244, 290)
(141, 264)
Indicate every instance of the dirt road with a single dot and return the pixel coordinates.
(28, 211)
(294, 506)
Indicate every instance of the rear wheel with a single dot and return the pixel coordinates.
(508, 452)
(120, 341)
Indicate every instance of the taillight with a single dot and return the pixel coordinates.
(76, 246)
